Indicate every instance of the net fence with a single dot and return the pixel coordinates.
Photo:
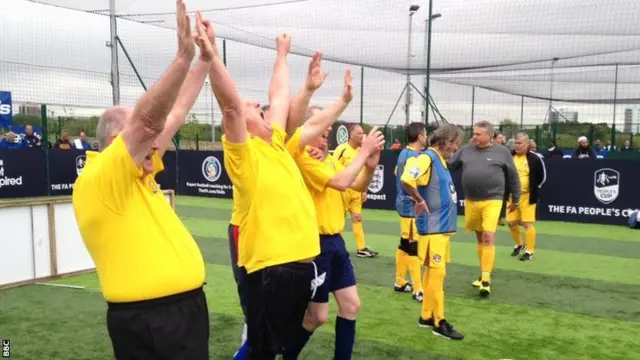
(493, 60)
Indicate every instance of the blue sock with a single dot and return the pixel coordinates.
(302, 340)
(345, 337)
(241, 354)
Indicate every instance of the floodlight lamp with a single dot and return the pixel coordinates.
(414, 8)
(435, 16)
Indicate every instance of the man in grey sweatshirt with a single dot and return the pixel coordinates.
(487, 171)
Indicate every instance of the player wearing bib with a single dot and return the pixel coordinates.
(353, 200)
(531, 172)
(327, 179)
(428, 181)
(407, 252)
(487, 173)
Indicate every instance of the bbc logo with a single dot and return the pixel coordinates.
(6, 349)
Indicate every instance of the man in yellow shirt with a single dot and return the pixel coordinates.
(531, 171)
(297, 112)
(428, 181)
(353, 200)
(327, 179)
(407, 252)
(276, 243)
(150, 268)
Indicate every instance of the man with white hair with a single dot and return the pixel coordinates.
(532, 174)
(150, 268)
(584, 150)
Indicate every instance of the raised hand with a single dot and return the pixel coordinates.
(315, 153)
(315, 76)
(186, 46)
(283, 44)
(347, 93)
(373, 142)
(202, 38)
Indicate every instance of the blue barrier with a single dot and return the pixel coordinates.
(601, 192)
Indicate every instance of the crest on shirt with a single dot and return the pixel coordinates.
(153, 186)
(437, 259)
(80, 162)
(342, 135)
(377, 183)
(211, 169)
(415, 172)
(606, 185)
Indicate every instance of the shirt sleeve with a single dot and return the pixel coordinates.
(316, 174)
(112, 175)
(238, 162)
(158, 164)
(293, 144)
(513, 178)
(416, 171)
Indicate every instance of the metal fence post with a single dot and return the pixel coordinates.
(45, 144)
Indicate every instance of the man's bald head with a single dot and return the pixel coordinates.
(312, 111)
(111, 123)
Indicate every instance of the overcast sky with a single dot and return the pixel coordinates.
(58, 56)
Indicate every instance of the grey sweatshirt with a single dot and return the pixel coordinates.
(484, 170)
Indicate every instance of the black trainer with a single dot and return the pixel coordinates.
(446, 331)
(425, 323)
(366, 253)
(406, 288)
(517, 249)
(526, 256)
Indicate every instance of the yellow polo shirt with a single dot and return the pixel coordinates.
(328, 201)
(139, 245)
(280, 224)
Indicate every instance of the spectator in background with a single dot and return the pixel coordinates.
(498, 138)
(30, 138)
(81, 143)
(626, 146)
(10, 142)
(553, 151)
(63, 143)
(609, 147)
(396, 145)
(596, 145)
(533, 147)
(584, 151)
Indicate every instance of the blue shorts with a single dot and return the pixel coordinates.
(239, 273)
(334, 266)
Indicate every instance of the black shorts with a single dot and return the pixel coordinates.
(276, 304)
(175, 327)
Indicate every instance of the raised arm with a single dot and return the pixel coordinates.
(317, 124)
(149, 115)
(190, 89)
(300, 103)
(227, 95)
(368, 156)
(280, 87)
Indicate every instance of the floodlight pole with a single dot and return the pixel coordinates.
(412, 10)
(113, 44)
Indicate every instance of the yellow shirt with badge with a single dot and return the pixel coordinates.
(522, 166)
(280, 224)
(140, 247)
(417, 170)
(352, 199)
(328, 201)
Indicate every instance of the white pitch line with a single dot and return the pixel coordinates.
(63, 286)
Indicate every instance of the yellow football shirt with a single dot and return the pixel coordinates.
(522, 166)
(328, 201)
(417, 170)
(140, 247)
(280, 226)
(240, 201)
(345, 154)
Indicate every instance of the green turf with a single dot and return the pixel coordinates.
(578, 299)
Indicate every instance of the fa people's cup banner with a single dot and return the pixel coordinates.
(201, 173)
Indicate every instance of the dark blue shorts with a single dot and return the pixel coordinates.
(239, 273)
(335, 271)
